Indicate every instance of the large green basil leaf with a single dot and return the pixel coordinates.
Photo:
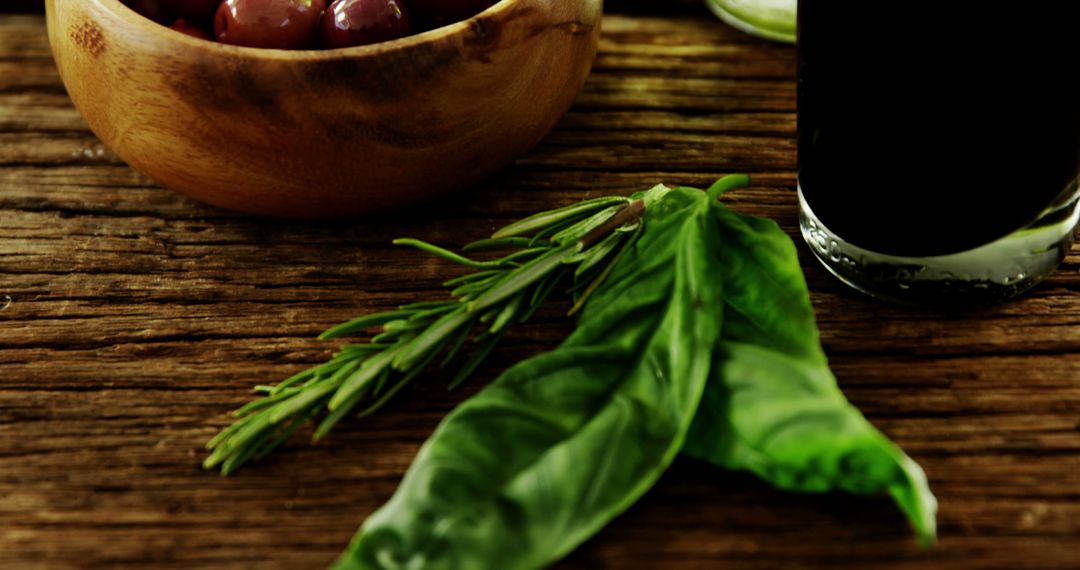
(772, 405)
(560, 444)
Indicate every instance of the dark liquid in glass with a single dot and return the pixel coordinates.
(933, 128)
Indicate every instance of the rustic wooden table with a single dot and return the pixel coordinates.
(132, 320)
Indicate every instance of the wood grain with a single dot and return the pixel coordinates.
(133, 319)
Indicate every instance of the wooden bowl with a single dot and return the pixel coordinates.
(324, 133)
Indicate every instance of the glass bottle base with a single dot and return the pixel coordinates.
(988, 274)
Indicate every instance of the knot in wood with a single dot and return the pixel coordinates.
(88, 36)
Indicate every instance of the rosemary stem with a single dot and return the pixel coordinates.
(632, 211)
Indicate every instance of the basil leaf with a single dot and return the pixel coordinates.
(772, 405)
(765, 290)
(560, 444)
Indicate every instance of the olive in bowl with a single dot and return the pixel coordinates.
(332, 133)
(273, 24)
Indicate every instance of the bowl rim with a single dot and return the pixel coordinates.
(446, 33)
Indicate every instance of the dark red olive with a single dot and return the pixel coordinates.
(360, 22)
(193, 10)
(185, 27)
(156, 10)
(435, 13)
(278, 24)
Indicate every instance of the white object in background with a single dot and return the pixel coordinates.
(771, 19)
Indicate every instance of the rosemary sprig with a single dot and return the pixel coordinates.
(580, 242)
